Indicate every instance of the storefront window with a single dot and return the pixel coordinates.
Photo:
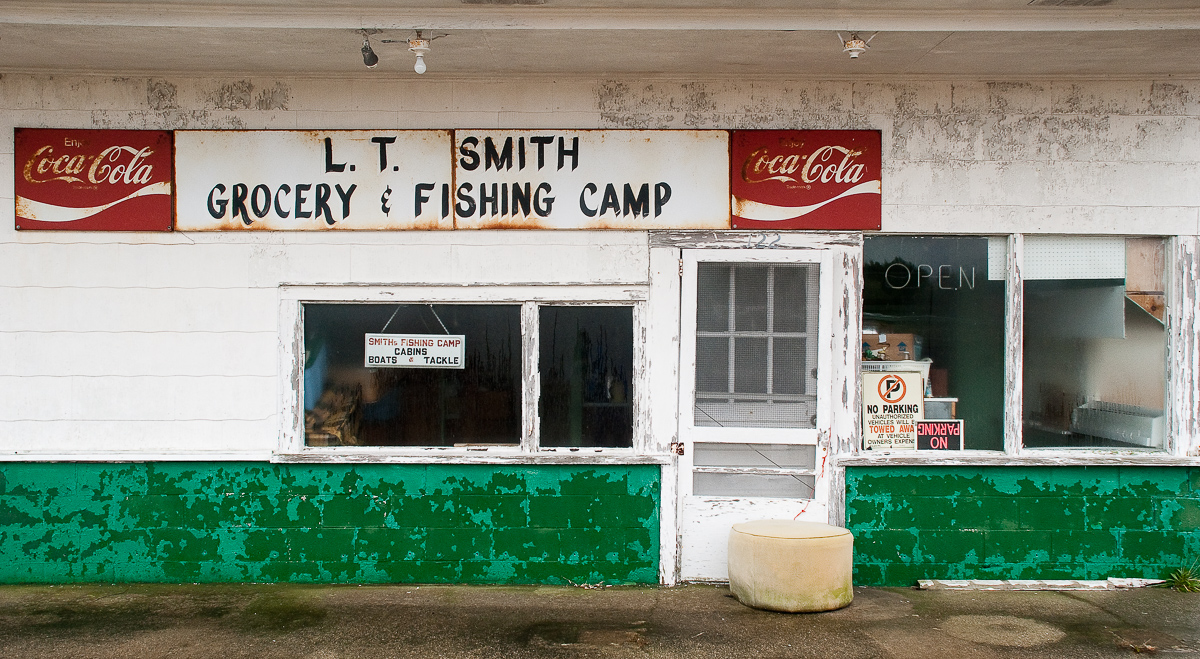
(453, 375)
(586, 360)
(1095, 342)
(404, 402)
(935, 306)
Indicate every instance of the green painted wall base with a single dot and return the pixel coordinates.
(915, 523)
(233, 522)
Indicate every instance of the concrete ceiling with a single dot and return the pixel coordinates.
(608, 38)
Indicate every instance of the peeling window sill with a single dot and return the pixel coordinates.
(460, 456)
(1027, 458)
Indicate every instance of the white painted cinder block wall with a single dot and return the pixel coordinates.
(168, 343)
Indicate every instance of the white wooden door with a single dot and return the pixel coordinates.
(754, 391)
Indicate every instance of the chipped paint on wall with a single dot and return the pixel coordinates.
(161, 94)
(915, 523)
(232, 522)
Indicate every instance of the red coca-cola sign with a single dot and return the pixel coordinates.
(806, 179)
(93, 180)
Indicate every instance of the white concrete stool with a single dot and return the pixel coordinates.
(782, 565)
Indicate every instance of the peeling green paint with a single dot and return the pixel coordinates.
(234, 522)
(915, 523)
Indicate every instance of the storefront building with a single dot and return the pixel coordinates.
(514, 330)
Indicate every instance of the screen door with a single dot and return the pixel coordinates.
(753, 344)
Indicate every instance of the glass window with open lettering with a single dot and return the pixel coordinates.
(1095, 342)
(412, 374)
(933, 342)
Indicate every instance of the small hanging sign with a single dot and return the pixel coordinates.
(414, 351)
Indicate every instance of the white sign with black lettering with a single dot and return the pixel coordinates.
(591, 179)
(414, 350)
(892, 404)
(313, 180)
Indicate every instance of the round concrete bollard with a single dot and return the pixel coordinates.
(782, 565)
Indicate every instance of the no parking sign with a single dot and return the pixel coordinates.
(892, 405)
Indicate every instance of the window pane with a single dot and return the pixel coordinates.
(749, 364)
(767, 378)
(940, 300)
(781, 456)
(791, 305)
(347, 403)
(712, 306)
(753, 485)
(1095, 344)
(586, 367)
(750, 297)
(712, 364)
(788, 376)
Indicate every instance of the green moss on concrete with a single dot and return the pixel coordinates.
(231, 522)
(915, 523)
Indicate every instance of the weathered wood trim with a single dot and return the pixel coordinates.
(661, 383)
(1014, 314)
(660, 357)
(848, 358)
(290, 380)
(459, 284)
(1183, 347)
(758, 471)
(837, 502)
(530, 377)
(138, 456)
(845, 390)
(750, 240)
(668, 527)
(460, 456)
(423, 294)
(1029, 458)
(639, 394)
(661, 331)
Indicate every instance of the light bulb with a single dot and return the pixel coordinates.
(369, 57)
(419, 67)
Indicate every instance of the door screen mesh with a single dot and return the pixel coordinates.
(756, 345)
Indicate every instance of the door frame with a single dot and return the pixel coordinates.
(841, 298)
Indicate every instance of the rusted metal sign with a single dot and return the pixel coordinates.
(806, 179)
(580, 179)
(93, 180)
(313, 180)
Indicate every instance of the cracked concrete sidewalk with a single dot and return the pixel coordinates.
(542, 621)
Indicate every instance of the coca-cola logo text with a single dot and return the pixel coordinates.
(827, 164)
(114, 165)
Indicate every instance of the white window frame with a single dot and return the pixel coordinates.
(291, 447)
(1181, 372)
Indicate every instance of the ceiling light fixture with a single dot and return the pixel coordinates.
(419, 46)
(855, 45)
(369, 56)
